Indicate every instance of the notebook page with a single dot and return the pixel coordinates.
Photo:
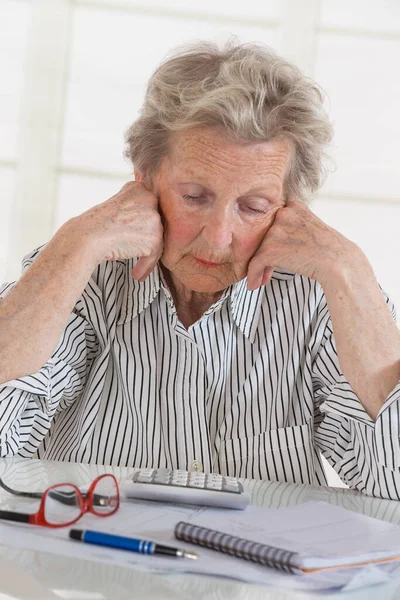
(323, 534)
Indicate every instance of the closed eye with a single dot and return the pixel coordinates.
(192, 198)
(251, 210)
(254, 211)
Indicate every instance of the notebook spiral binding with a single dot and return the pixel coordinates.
(269, 556)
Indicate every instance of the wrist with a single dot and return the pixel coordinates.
(74, 240)
(347, 271)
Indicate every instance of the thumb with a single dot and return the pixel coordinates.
(268, 272)
(144, 267)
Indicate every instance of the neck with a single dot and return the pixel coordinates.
(190, 305)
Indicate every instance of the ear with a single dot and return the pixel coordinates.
(138, 175)
(148, 183)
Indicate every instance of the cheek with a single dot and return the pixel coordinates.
(179, 232)
(246, 245)
(179, 235)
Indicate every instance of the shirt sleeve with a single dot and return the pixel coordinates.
(364, 453)
(29, 404)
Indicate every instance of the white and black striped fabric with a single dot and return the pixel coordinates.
(253, 389)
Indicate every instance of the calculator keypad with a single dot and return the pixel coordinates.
(188, 479)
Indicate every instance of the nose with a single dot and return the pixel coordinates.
(218, 228)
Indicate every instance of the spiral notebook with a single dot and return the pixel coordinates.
(316, 536)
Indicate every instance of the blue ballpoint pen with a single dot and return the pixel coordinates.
(125, 543)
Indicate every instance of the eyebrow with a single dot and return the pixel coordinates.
(256, 190)
(261, 189)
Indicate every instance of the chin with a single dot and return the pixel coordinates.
(205, 284)
(201, 281)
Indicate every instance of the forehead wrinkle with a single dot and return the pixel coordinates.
(226, 159)
(214, 155)
(211, 155)
(204, 172)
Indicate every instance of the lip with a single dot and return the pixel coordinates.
(206, 263)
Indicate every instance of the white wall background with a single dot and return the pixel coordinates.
(72, 77)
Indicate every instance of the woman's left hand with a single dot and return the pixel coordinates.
(301, 243)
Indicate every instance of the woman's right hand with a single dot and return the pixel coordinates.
(128, 225)
(34, 313)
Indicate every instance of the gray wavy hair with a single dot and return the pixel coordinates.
(249, 91)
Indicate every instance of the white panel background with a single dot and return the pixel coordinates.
(358, 74)
(77, 193)
(376, 16)
(352, 48)
(13, 34)
(7, 187)
(260, 9)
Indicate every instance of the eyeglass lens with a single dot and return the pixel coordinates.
(62, 505)
(105, 496)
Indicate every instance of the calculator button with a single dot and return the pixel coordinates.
(143, 478)
(161, 478)
(216, 480)
(197, 476)
(196, 484)
(181, 480)
(231, 488)
(179, 475)
(163, 471)
(197, 466)
(213, 486)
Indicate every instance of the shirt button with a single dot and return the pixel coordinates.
(197, 466)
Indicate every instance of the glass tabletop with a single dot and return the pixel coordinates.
(30, 574)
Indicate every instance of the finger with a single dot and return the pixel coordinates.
(254, 282)
(259, 270)
(255, 275)
(268, 271)
(255, 270)
(255, 278)
(266, 240)
(150, 270)
(144, 266)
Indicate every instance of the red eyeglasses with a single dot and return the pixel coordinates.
(63, 504)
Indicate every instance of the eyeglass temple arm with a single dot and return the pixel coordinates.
(17, 493)
(57, 495)
(14, 516)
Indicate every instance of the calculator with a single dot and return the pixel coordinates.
(186, 487)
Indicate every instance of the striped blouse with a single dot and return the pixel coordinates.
(252, 389)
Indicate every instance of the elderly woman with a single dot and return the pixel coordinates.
(203, 318)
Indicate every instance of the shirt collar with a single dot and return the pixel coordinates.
(245, 304)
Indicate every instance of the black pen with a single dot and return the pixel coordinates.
(125, 543)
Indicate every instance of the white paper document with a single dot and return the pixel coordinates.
(304, 527)
(324, 535)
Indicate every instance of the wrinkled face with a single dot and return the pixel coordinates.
(217, 198)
